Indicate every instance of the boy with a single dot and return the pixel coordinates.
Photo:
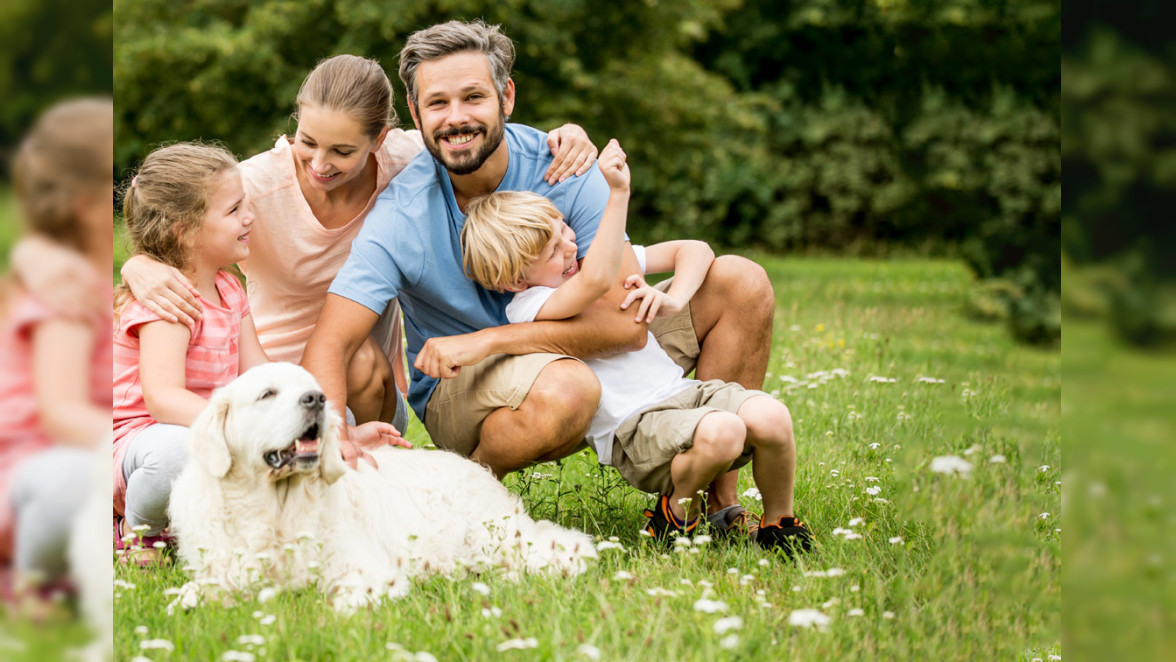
(664, 433)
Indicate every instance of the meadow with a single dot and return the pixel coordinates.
(883, 372)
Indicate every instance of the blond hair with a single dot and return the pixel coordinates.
(355, 86)
(504, 233)
(445, 39)
(167, 200)
(66, 154)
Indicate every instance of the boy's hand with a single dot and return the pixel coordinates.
(654, 302)
(613, 165)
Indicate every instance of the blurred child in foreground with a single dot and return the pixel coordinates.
(55, 371)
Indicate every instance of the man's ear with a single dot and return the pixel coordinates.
(412, 110)
(207, 444)
(508, 98)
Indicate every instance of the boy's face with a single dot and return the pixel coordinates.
(556, 263)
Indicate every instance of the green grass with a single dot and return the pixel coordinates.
(976, 574)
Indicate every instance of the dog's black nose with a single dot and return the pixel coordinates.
(312, 400)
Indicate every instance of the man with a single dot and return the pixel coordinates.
(509, 395)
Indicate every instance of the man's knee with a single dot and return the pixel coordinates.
(566, 392)
(743, 279)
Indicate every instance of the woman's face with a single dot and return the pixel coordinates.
(330, 148)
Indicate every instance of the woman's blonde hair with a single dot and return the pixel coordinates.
(66, 154)
(355, 86)
(504, 233)
(167, 199)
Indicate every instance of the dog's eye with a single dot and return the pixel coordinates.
(268, 393)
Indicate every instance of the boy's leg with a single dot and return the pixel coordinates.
(718, 441)
(509, 412)
(731, 319)
(769, 433)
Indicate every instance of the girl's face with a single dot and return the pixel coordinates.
(331, 148)
(223, 237)
(556, 263)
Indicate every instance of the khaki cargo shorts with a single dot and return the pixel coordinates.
(648, 441)
(458, 406)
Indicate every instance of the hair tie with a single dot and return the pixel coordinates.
(134, 181)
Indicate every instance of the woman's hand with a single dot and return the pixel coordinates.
(162, 289)
(654, 302)
(573, 152)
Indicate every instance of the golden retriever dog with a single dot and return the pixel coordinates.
(266, 500)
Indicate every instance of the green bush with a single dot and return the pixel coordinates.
(822, 124)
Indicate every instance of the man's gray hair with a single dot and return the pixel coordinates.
(445, 39)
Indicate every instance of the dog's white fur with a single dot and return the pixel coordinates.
(357, 535)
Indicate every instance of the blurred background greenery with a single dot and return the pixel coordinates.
(49, 50)
(1119, 303)
(859, 126)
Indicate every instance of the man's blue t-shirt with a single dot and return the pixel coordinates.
(410, 246)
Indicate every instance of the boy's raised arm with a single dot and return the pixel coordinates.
(599, 268)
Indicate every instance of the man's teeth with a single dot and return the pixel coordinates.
(461, 140)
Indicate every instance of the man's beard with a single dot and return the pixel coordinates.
(464, 163)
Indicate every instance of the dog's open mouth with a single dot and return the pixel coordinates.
(305, 447)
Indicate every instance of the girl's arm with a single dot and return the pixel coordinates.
(163, 347)
(250, 351)
(690, 261)
(598, 270)
(62, 355)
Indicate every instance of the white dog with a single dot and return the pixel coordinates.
(266, 498)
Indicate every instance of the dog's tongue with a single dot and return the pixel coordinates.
(306, 446)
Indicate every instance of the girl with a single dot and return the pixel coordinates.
(187, 209)
(54, 369)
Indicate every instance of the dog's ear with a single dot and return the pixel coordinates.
(207, 443)
(331, 464)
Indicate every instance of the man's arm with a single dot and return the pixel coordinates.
(342, 327)
(601, 330)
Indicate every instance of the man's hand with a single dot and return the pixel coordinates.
(443, 357)
(654, 302)
(573, 153)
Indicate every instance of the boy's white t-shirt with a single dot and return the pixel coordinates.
(629, 382)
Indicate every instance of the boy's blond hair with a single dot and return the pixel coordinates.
(504, 233)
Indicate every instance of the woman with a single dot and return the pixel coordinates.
(311, 195)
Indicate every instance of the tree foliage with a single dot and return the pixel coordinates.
(785, 124)
(50, 49)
